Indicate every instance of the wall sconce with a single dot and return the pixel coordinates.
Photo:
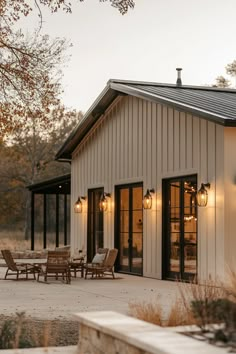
(202, 194)
(79, 205)
(147, 199)
(103, 201)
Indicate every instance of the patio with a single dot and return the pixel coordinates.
(59, 300)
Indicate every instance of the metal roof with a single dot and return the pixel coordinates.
(56, 185)
(215, 104)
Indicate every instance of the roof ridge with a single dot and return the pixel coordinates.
(159, 84)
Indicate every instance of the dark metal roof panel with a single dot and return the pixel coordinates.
(216, 102)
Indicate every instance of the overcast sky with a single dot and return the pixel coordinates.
(146, 44)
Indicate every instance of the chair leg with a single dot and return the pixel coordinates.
(6, 274)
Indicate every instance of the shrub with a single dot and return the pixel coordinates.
(13, 333)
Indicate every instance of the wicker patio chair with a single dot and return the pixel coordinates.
(98, 259)
(57, 265)
(18, 269)
(101, 270)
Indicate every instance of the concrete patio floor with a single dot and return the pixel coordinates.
(59, 300)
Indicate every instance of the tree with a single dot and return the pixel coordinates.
(29, 75)
(231, 70)
(221, 81)
(30, 157)
(29, 68)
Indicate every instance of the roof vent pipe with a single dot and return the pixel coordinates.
(179, 81)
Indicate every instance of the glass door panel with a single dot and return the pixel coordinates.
(137, 253)
(180, 228)
(124, 251)
(129, 228)
(175, 252)
(95, 223)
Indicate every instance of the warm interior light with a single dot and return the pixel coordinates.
(103, 204)
(202, 194)
(78, 207)
(147, 199)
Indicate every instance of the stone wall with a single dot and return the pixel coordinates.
(108, 332)
(92, 341)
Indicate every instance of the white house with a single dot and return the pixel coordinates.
(162, 141)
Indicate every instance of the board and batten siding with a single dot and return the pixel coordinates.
(141, 141)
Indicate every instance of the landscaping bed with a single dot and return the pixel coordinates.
(27, 332)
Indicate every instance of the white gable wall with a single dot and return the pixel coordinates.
(140, 141)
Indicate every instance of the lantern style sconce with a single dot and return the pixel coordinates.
(147, 199)
(79, 205)
(103, 204)
(202, 194)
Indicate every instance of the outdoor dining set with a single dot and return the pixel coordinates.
(60, 265)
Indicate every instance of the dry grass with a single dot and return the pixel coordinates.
(230, 285)
(146, 311)
(197, 299)
(15, 241)
(182, 311)
(152, 312)
(179, 315)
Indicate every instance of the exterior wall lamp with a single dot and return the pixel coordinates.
(147, 199)
(103, 204)
(78, 207)
(202, 194)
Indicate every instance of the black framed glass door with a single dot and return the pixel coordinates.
(129, 228)
(180, 228)
(95, 223)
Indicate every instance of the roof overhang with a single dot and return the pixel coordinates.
(98, 108)
(56, 185)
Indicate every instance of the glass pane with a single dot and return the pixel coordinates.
(137, 198)
(97, 200)
(124, 250)
(175, 214)
(190, 238)
(124, 199)
(98, 240)
(124, 221)
(175, 194)
(99, 221)
(137, 221)
(190, 223)
(137, 253)
(175, 252)
(190, 258)
(190, 190)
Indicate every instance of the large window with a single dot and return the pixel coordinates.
(180, 228)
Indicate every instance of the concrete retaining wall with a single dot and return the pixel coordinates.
(110, 332)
